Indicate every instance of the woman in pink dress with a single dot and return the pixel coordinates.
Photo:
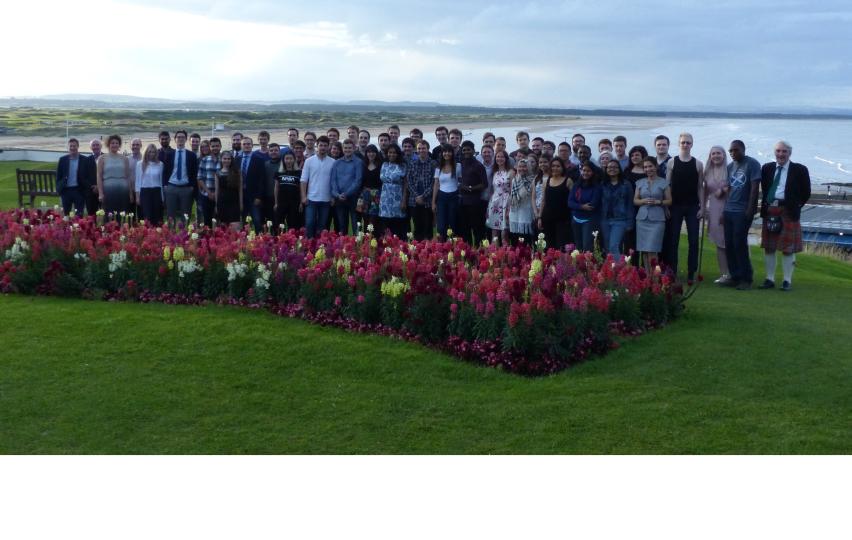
(497, 217)
(715, 194)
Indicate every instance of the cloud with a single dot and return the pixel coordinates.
(567, 53)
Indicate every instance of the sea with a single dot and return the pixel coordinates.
(822, 145)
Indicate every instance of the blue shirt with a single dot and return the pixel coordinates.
(73, 164)
(346, 177)
(741, 176)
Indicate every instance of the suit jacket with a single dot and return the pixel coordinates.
(254, 182)
(191, 167)
(796, 192)
(85, 172)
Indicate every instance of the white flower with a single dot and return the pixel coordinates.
(262, 280)
(117, 260)
(187, 266)
(575, 253)
(194, 236)
(18, 251)
(236, 270)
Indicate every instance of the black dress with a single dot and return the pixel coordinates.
(227, 201)
(556, 217)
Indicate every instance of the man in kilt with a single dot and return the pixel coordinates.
(786, 187)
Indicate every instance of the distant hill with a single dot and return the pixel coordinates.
(113, 101)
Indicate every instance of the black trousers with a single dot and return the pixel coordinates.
(471, 223)
(397, 226)
(288, 209)
(151, 201)
(92, 203)
(557, 232)
(422, 218)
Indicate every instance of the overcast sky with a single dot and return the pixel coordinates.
(719, 54)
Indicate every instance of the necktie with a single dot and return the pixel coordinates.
(775, 181)
(245, 165)
(180, 165)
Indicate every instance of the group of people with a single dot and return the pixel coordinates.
(618, 201)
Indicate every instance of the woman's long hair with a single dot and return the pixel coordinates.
(448, 148)
(233, 179)
(714, 172)
(145, 160)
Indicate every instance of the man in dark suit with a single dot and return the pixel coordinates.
(253, 173)
(786, 187)
(180, 174)
(73, 179)
(91, 165)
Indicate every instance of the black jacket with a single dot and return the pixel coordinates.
(796, 192)
(85, 172)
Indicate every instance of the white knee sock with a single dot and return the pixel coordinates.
(787, 264)
(769, 261)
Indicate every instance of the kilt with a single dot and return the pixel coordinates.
(789, 240)
(368, 202)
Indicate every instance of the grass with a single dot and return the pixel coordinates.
(740, 372)
(9, 185)
(51, 120)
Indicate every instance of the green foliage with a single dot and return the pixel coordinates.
(428, 316)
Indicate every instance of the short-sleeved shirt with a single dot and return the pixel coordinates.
(317, 174)
(740, 178)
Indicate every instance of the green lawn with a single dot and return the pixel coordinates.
(740, 372)
(9, 185)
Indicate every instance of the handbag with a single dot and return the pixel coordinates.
(774, 224)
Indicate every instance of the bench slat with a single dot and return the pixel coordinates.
(35, 183)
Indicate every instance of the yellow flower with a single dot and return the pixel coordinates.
(535, 268)
(178, 254)
(167, 254)
(373, 243)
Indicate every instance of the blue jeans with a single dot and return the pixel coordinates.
(679, 214)
(316, 216)
(345, 216)
(613, 232)
(448, 209)
(736, 243)
(584, 240)
(73, 196)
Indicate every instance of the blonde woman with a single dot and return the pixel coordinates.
(715, 194)
(149, 186)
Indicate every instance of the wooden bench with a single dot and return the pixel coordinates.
(32, 184)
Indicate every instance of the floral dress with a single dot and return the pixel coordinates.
(496, 216)
(390, 201)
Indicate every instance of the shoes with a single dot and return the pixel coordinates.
(744, 286)
(690, 282)
(767, 284)
(724, 280)
(786, 286)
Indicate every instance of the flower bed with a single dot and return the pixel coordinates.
(524, 309)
